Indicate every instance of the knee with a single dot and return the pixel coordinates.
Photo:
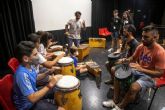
(113, 69)
(134, 88)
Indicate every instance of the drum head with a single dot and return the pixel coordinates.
(113, 56)
(67, 82)
(56, 46)
(123, 74)
(65, 60)
(58, 53)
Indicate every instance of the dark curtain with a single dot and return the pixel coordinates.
(101, 14)
(16, 22)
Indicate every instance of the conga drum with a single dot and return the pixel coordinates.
(112, 58)
(56, 47)
(67, 66)
(56, 53)
(125, 76)
(68, 94)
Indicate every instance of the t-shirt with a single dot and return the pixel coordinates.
(42, 50)
(150, 58)
(75, 60)
(116, 24)
(75, 28)
(24, 85)
(132, 47)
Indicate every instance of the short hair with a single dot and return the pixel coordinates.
(24, 48)
(130, 28)
(115, 11)
(34, 37)
(151, 28)
(73, 50)
(77, 12)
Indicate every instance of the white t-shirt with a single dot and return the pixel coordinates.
(41, 59)
(75, 28)
(42, 50)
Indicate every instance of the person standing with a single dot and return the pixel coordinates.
(73, 29)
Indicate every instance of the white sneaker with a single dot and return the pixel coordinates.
(110, 50)
(109, 103)
(117, 108)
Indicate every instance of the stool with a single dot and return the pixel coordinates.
(83, 51)
(97, 42)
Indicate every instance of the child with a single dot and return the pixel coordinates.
(80, 68)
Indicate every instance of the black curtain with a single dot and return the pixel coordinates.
(16, 22)
(101, 14)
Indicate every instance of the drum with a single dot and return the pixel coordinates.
(124, 75)
(58, 53)
(112, 58)
(68, 94)
(56, 46)
(67, 66)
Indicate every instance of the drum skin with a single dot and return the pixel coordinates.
(69, 99)
(67, 68)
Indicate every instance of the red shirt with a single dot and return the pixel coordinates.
(150, 58)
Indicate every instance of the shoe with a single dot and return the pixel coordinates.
(108, 82)
(109, 103)
(117, 108)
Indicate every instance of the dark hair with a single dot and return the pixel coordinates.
(130, 28)
(115, 11)
(151, 28)
(45, 36)
(34, 37)
(77, 12)
(73, 50)
(24, 48)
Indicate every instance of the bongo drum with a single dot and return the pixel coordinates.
(124, 75)
(68, 94)
(67, 66)
(112, 58)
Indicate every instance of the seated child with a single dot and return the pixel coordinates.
(80, 68)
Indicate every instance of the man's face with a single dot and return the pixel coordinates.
(147, 38)
(115, 14)
(78, 16)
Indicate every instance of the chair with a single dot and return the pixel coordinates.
(13, 64)
(159, 83)
(6, 84)
(103, 32)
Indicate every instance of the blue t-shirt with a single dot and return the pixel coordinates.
(24, 85)
(74, 60)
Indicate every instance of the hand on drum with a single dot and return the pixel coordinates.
(136, 66)
(60, 108)
(54, 79)
(60, 56)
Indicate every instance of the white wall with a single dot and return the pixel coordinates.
(54, 14)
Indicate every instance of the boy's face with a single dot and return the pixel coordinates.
(76, 53)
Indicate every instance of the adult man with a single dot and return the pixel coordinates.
(151, 64)
(73, 29)
(131, 44)
(25, 95)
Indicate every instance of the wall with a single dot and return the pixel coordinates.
(54, 14)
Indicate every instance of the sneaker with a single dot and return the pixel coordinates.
(109, 103)
(108, 82)
(117, 108)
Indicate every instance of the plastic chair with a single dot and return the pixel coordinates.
(159, 83)
(13, 64)
(6, 85)
(103, 32)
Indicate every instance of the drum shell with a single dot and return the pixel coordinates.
(67, 68)
(70, 99)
